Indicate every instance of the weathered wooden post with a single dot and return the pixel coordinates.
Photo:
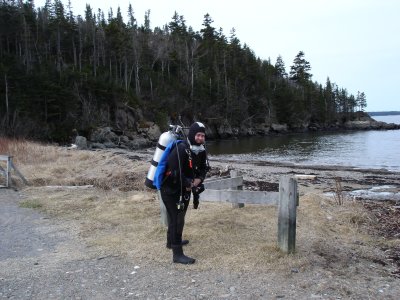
(8, 175)
(235, 174)
(18, 172)
(287, 214)
(7, 171)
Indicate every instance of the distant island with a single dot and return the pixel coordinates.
(383, 113)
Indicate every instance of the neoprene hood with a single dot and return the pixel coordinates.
(193, 130)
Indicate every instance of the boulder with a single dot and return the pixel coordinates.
(125, 119)
(246, 131)
(104, 135)
(279, 127)
(150, 130)
(357, 125)
(81, 142)
(97, 146)
(139, 142)
(261, 129)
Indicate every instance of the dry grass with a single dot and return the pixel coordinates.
(119, 217)
(44, 165)
(128, 224)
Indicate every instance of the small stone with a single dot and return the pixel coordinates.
(294, 270)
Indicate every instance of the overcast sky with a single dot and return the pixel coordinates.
(354, 42)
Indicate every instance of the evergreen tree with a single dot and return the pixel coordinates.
(361, 101)
(299, 71)
(280, 69)
(59, 71)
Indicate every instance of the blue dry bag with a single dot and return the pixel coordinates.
(162, 165)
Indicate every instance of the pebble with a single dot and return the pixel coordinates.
(295, 270)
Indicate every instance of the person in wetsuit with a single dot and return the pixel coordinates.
(186, 171)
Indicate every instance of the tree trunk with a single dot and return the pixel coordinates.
(80, 50)
(94, 52)
(126, 73)
(151, 89)
(7, 109)
(137, 80)
(58, 50)
(26, 48)
(110, 69)
(74, 52)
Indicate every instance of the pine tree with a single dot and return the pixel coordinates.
(361, 100)
(280, 68)
(299, 71)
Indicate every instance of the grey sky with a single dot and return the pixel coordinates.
(354, 42)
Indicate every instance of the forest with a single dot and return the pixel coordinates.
(60, 71)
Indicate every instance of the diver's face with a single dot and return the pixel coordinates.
(200, 138)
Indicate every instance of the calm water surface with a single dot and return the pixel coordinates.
(361, 149)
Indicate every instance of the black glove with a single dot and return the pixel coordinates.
(196, 201)
(196, 195)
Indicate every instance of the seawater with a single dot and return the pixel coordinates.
(376, 149)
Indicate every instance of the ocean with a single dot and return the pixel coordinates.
(372, 149)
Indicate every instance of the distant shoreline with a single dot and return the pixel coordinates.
(384, 113)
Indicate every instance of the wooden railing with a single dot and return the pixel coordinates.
(224, 190)
(228, 190)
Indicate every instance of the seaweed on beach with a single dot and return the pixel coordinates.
(261, 186)
(387, 216)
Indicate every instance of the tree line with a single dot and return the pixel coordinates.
(60, 71)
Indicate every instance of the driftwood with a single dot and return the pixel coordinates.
(69, 186)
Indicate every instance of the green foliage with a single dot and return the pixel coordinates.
(299, 71)
(59, 72)
(161, 120)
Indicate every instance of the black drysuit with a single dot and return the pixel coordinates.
(179, 176)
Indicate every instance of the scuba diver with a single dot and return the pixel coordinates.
(186, 170)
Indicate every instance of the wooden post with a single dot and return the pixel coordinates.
(234, 174)
(8, 172)
(18, 173)
(164, 214)
(287, 214)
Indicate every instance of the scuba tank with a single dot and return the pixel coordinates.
(165, 138)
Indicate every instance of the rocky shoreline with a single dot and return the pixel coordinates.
(147, 133)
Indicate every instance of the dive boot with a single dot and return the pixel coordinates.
(179, 257)
(183, 243)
